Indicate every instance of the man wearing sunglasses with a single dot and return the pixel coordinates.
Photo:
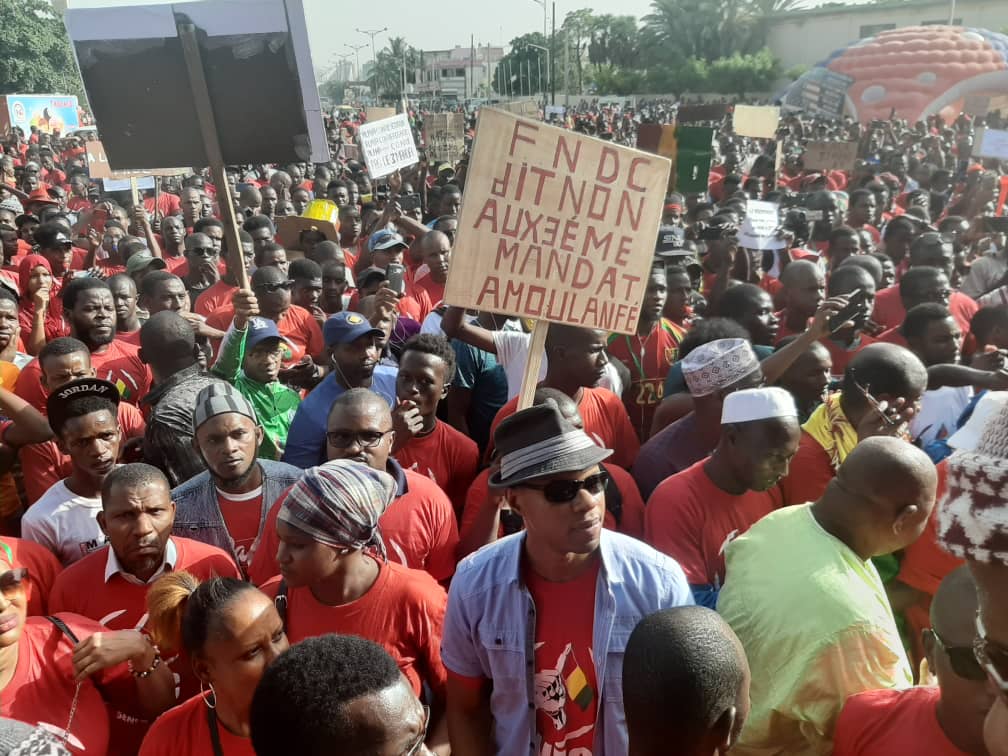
(537, 623)
(946, 720)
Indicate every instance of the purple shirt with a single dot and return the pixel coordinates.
(671, 450)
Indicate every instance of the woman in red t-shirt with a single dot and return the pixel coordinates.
(335, 578)
(231, 631)
(36, 280)
(64, 671)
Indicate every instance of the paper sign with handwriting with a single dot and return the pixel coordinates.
(388, 145)
(444, 136)
(556, 225)
(759, 229)
(830, 156)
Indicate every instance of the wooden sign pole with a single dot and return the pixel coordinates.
(134, 192)
(531, 377)
(211, 142)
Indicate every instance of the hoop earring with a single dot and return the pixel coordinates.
(206, 698)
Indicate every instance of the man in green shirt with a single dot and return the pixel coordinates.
(250, 358)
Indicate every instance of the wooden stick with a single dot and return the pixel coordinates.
(211, 142)
(134, 191)
(535, 356)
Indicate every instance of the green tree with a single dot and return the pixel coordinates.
(386, 78)
(740, 74)
(523, 69)
(613, 42)
(35, 54)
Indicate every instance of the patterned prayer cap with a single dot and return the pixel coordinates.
(220, 399)
(973, 517)
(339, 504)
(717, 365)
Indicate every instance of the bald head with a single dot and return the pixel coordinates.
(567, 406)
(685, 681)
(954, 607)
(361, 401)
(883, 493)
(800, 273)
(434, 240)
(887, 371)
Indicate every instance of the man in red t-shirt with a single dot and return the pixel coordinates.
(847, 341)
(62, 361)
(577, 360)
(947, 720)
(423, 443)
(110, 585)
(435, 250)
(90, 309)
(804, 290)
(693, 515)
(419, 528)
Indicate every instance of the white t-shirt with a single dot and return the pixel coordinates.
(65, 523)
(940, 409)
(512, 354)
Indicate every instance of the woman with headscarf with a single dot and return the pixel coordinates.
(41, 317)
(231, 633)
(334, 578)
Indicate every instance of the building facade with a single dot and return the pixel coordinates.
(457, 73)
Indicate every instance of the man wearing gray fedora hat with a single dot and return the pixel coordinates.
(537, 622)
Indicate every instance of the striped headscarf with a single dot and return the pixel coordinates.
(339, 504)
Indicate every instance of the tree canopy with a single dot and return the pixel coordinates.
(35, 56)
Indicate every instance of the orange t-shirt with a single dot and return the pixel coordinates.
(44, 464)
(185, 729)
(43, 567)
(403, 611)
(447, 457)
(566, 687)
(418, 529)
(119, 364)
(605, 420)
(693, 521)
(885, 722)
(631, 518)
(241, 516)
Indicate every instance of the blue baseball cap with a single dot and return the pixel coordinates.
(260, 329)
(344, 327)
(385, 239)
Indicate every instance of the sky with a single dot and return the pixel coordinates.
(333, 24)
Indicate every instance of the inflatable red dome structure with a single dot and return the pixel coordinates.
(918, 71)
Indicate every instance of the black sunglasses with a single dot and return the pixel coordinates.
(364, 439)
(992, 658)
(564, 491)
(961, 659)
(273, 288)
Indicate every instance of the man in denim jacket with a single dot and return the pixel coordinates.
(226, 505)
(537, 622)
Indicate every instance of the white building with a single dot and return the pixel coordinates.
(806, 37)
(457, 72)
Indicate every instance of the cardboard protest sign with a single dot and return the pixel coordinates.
(697, 113)
(444, 137)
(556, 225)
(991, 143)
(694, 153)
(388, 145)
(756, 121)
(125, 185)
(661, 140)
(760, 225)
(378, 114)
(257, 67)
(830, 156)
(527, 108)
(99, 168)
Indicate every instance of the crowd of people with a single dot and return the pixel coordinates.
(307, 516)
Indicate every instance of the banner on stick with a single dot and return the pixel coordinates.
(758, 121)
(444, 137)
(556, 225)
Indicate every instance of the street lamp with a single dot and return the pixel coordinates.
(546, 49)
(545, 34)
(356, 49)
(373, 33)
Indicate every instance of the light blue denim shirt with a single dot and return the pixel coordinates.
(489, 632)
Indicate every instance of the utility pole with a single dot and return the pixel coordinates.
(373, 33)
(545, 8)
(550, 72)
(357, 49)
(472, 62)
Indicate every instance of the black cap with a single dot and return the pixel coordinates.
(85, 388)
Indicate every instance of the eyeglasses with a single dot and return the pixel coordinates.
(273, 288)
(992, 658)
(563, 491)
(936, 295)
(418, 743)
(203, 251)
(961, 659)
(365, 439)
(10, 581)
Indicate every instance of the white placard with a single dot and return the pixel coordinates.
(991, 143)
(388, 145)
(759, 228)
(122, 185)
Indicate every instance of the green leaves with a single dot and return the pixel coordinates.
(35, 54)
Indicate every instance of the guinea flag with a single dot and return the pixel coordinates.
(578, 689)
